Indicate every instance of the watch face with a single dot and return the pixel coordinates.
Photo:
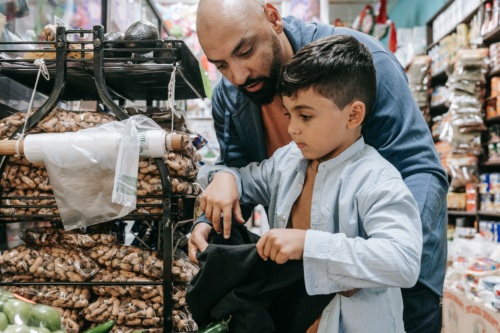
(367, 23)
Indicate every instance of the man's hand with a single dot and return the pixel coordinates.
(198, 241)
(221, 200)
(281, 245)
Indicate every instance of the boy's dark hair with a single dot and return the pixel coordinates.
(338, 67)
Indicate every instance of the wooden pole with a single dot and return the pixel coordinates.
(8, 147)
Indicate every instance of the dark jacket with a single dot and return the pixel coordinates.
(260, 296)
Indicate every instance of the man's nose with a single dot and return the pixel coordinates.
(240, 74)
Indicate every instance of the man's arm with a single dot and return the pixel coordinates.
(220, 200)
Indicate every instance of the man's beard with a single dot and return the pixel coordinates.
(266, 94)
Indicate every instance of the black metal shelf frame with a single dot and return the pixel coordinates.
(107, 78)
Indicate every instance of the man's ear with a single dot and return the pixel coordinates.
(273, 16)
(357, 111)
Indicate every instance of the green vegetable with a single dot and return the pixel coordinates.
(17, 311)
(17, 329)
(220, 327)
(45, 316)
(39, 330)
(103, 328)
(4, 322)
(4, 297)
(5, 294)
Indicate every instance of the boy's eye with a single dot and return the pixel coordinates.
(220, 66)
(305, 117)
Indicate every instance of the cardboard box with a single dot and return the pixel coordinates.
(461, 315)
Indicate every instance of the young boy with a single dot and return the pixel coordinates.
(333, 201)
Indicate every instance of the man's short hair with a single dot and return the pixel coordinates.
(338, 67)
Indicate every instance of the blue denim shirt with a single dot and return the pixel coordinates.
(365, 230)
(395, 127)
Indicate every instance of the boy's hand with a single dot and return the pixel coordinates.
(281, 245)
(221, 200)
(198, 241)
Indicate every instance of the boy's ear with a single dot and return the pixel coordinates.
(357, 112)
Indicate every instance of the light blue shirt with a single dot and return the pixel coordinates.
(365, 230)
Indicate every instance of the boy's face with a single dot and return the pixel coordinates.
(319, 128)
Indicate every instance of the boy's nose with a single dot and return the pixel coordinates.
(293, 130)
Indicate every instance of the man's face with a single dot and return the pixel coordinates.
(264, 87)
(248, 54)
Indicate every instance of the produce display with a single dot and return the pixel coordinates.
(20, 178)
(102, 328)
(47, 256)
(51, 262)
(20, 316)
(52, 255)
(72, 238)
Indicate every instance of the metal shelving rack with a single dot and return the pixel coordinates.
(105, 79)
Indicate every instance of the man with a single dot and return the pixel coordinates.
(249, 42)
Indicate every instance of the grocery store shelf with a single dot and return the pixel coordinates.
(460, 213)
(488, 213)
(439, 109)
(492, 37)
(465, 19)
(129, 78)
(439, 77)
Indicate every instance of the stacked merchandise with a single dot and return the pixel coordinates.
(463, 123)
(493, 106)
(56, 255)
(95, 254)
(48, 255)
(419, 79)
(138, 307)
(494, 57)
(489, 191)
(22, 178)
(182, 165)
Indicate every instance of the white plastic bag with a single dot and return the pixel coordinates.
(93, 172)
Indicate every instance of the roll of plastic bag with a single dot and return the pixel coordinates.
(93, 172)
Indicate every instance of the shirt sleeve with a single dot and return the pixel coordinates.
(254, 181)
(389, 256)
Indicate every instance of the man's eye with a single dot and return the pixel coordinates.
(244, 54)
(221, 66)
(287, 115)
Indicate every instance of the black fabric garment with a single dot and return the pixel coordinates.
(261, 296)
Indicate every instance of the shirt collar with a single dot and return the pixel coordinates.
(347, 154)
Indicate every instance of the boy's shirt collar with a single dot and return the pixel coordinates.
(347, 154)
